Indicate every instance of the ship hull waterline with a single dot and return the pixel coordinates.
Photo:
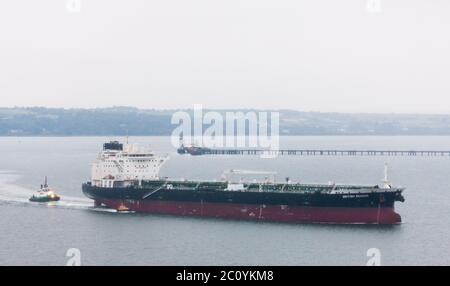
(270, 213)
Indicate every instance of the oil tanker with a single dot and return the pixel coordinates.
(126, 177)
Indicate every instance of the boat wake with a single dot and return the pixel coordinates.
(11, 193)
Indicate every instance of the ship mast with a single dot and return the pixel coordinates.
(386, 183)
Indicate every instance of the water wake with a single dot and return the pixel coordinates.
(11, 193)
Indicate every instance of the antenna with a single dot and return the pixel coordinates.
(127, 136)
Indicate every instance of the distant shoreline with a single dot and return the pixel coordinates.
(122, 121)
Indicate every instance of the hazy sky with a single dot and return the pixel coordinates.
(321, 55)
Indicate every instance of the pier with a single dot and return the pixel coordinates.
(318, 152)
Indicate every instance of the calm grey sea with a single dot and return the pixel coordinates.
(40, 235)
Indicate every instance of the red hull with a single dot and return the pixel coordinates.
(288, 214)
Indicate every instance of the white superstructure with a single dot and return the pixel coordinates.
(124, 164)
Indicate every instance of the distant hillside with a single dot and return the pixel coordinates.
(123, 120)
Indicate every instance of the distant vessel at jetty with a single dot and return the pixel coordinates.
(192, 150)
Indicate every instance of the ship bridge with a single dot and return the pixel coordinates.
(120, 164)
